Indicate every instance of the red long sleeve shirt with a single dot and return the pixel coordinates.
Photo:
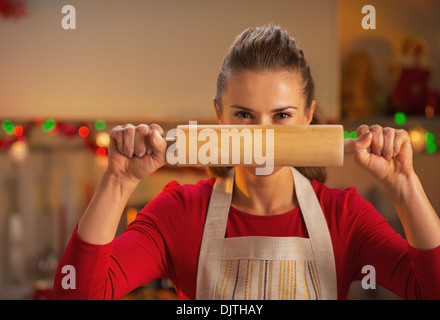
(164, 242)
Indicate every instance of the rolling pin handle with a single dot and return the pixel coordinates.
(348, 146)
(170, 139)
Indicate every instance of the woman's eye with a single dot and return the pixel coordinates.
(243, 115)
(282, 115)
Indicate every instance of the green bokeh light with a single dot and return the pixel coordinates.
(429, 137)
(351, 134)
(399, 118)
(48, 125)
(8, 127)
(100, 125)
(431, 148)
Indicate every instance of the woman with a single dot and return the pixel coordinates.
(247, 236)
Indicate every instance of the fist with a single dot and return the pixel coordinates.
(136, 151)
(384, 152)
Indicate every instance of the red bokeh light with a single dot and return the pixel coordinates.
(83, 131)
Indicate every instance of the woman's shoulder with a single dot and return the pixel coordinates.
(331, 193)
(187, 190)
(342, 203)
(345, 207)
(177, 197)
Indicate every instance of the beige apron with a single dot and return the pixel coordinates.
(246, 268)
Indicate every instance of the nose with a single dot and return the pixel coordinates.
(264, 120)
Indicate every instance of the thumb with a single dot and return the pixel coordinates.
(158, 142)
(361, 147)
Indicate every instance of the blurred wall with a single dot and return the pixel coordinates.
(396, 20)
(144, 59)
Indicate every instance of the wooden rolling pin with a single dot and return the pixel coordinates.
(246, 145)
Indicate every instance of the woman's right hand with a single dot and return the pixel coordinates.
(136, 151)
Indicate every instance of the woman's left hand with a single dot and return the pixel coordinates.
(384, 152)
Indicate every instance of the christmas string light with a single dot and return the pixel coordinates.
(8, 127)
(95, 139)
(83, 131)
(400, 118)
(100, 124)
(15, 133)
(431, 147)
(13, 9)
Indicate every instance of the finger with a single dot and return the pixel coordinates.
(388, 144)
(362, 142)
(117, 134)
(140, 140)
(156, 137)
(377, 142)
(158, 142)
(361, 147)
(401, 136)
(157, 127)
(362, 130)
(129, 135)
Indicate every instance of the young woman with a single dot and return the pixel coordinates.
(246, 236)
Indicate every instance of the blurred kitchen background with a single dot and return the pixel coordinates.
(143, 61)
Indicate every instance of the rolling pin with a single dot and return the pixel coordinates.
(253, 145)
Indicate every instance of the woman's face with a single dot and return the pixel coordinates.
(264, 98)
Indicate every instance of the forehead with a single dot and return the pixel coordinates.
(268, 88)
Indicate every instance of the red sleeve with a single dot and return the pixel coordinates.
(85, 281)
(369, 240)
(426, 267)
(137, 257)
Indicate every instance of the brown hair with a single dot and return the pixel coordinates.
(262, 49)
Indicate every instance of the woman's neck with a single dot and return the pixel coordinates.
(264, 195)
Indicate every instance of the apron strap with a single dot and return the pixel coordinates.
(319, 235)
(213, 235)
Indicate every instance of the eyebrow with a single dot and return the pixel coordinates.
(273, 111)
